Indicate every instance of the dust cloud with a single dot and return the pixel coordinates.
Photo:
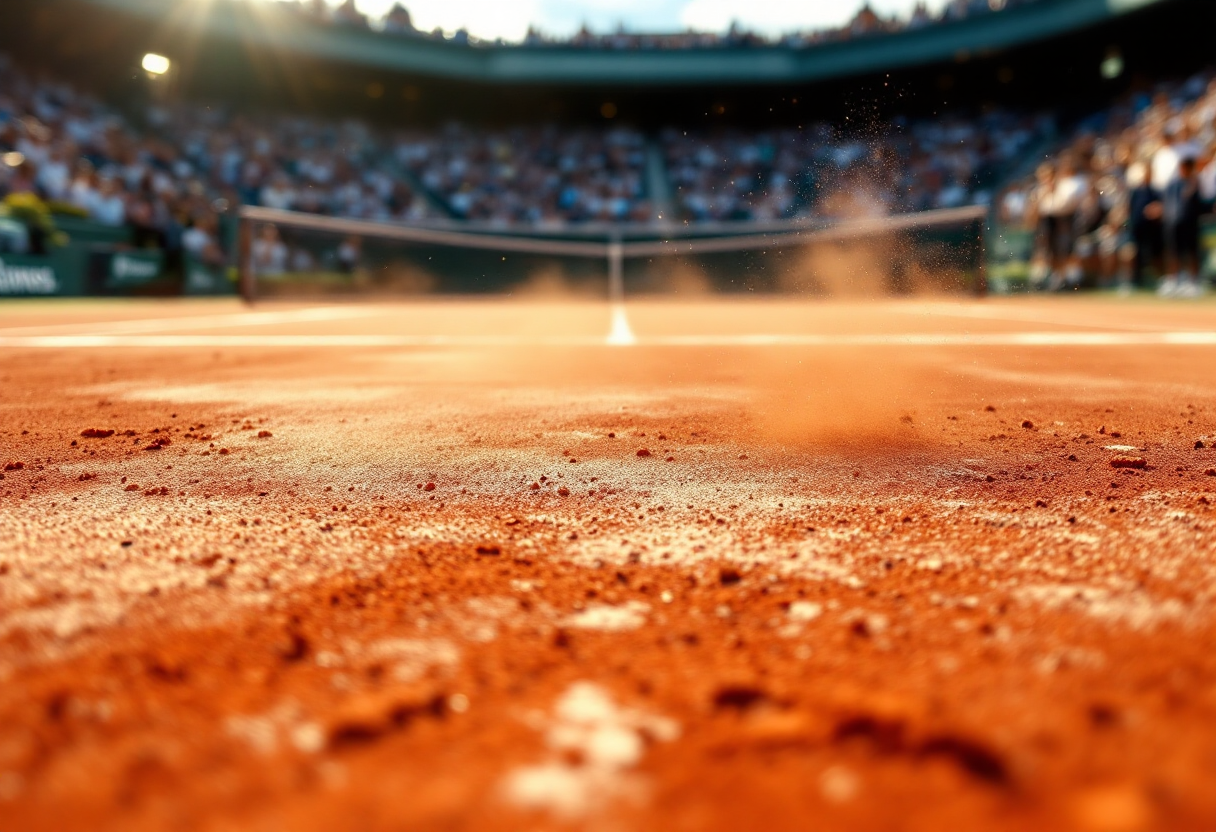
(845, 397)
(552, 282)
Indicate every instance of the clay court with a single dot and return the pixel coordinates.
(779, 565)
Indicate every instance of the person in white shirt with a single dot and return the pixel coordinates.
(55, 177)
(269, 253)
(349, 254)
(1164, 163)
(1056, 198)
(199, 241)
(1071, 187)
(83, 189)
(1041, 215)
(278, 194)
(108, 206)
(1177, 145)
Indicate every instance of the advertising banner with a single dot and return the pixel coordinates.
(202, 279)
(22, 276)
(131, 269)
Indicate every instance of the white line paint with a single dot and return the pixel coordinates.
(187, 322)
(621, 334)
(1023, 316)
(998, 339)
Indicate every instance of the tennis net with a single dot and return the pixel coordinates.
(300, 256)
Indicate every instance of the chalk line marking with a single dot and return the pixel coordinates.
(302, 341)
(187, 322)
(1023, 316)
(621, 334)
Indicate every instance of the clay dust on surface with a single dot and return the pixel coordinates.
(369, 588)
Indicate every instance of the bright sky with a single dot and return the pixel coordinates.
(509, 19)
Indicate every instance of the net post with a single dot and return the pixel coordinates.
(244, 255)
(616, 271)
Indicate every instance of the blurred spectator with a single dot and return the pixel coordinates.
(1144, 219)
(203, 156)
(350, 252)
(55, 175)
(83, 190)
(69, 148)
(269, 253)
(348, 14)
(1097, 210)
(82, 158)
(814, 170)
(1072, 186)
(1066, 208)
(1175, 145)
(23, 178)
(1207, 174)
(398, 21)
(1144, 173)
(1181, 207)
(538, 176)
(738, 176)
(107, 205)
(201, 241)
(1042, 217)
(865, 22)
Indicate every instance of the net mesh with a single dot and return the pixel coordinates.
(290, 255)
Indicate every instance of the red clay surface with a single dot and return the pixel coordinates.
(892, 586)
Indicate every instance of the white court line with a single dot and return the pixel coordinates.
(1004, 313)
(186, 322)
(997, 339)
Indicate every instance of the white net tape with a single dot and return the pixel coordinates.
(677, 241)
(789, 233)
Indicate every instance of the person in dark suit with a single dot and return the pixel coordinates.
(1181, 207)
(1144, 222)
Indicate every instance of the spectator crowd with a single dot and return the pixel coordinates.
(866, 22)
(187, 163)
(1121, 203)
(814, 170)
(532, 175)
(170, 181)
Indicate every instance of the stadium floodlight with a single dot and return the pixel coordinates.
(156, 64)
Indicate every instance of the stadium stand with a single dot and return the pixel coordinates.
(815, 171)
(866, 22)
(81, 156)
(1120, 203)
(169, 183)
(292, 163)
(532, 175)
(161, 165)
(222, 40)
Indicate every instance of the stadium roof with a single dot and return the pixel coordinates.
(265, 26)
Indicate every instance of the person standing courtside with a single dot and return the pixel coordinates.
(1181, 206)
(1144, 222)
